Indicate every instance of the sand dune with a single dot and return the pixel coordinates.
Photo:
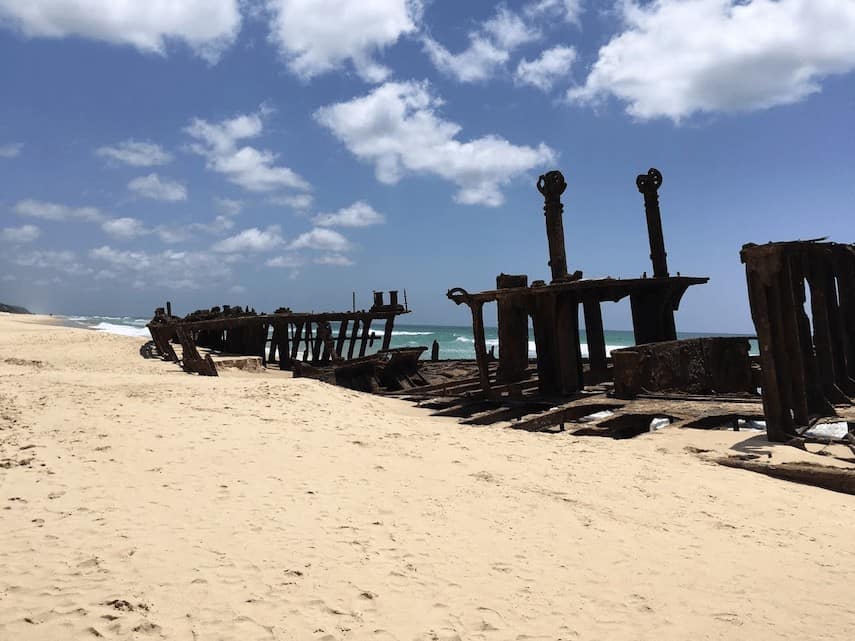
(140, 502)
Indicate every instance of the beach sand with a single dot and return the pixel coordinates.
(140, 502)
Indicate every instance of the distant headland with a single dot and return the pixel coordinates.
(13, 309)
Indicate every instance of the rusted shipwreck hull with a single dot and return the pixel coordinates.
(283, 337)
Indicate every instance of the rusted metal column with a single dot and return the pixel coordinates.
(295, 345)
(387, 332)
(513, 330)
(551, 185)
(459, 295)
(648, 184)
(595, 338)
(353, 334)
(342, 336)
(366, 332)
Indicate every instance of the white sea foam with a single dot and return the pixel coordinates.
(402, 333)
(121, 330)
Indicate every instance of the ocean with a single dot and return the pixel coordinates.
(454, 341)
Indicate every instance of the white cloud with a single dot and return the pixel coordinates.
(208, 27)
(318, 36)
(135, 153)
(63, 261)
(228, 206)
(19, 235)
(322, 239)
(172, 269)
(152, 186)
(569, 10)
(251, 240)
(542, 72)
(489, 47)
(124, 228)
(338, 260)
(11, 150)
(299, 202)
(396, 127)
(57, 212)
(679, 57)
(251, 168)
(288, 261)
(359, 214)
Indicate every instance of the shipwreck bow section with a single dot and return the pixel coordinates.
(554, 307)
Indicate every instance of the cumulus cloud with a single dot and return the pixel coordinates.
(246, 166)
(289, 261)
(228, 206)
(397, 127)
(135, 153)
(543, 71)
(675, 58)
(208, 27)
(63, 261)
(322, 239)
(11, 150)
(251, 240)
(171, 269)
(359, 214)
(57, 212)
(20, 235)
(338, 260)
(124, 228)
(317, 36)
(156, 188)
(489, 47)
(568, 10)
(299, 202)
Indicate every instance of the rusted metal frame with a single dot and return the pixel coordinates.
(477, 309)
(845, 269)
(839, 339)
(652, 315)
(512, 317)
(824, 311)
(308, 340)
(558, 416)
(191, 361)
(295, 345)
(342, 336)
(569, 348)
(764, 310)
(806, 370)
(596, 341)
(387, 332)
(353, 337)
(551, 185)
(545, 340)
(318, 343)
(795, 343)
(648, 184)
(366, 333)
(606, 288)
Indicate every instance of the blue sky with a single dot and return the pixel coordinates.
(288, 152)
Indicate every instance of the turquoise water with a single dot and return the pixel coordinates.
(454, 341)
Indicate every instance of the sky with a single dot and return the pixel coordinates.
(290, 152)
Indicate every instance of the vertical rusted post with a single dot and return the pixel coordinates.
(353, 334)
(648, 184)
(366, 332)
(295, 346)
(393, 298)
(513, 329)
(434, 351)
(168, 308)
(477, 308)
(378, 299)
(595, 338)
(551, 185)
(342, 336)
(387, 331)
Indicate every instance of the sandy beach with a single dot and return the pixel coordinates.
(142, 502)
